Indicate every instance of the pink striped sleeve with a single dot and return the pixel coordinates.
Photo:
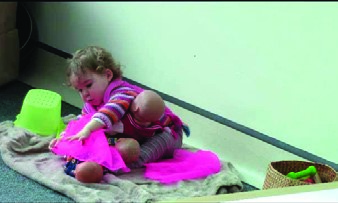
(116, 107)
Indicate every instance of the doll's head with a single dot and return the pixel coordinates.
(147, 107)
(89, 172)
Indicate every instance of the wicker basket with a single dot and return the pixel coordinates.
(276, 173)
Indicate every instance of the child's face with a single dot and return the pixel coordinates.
(91, 85)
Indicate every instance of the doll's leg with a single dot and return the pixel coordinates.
(162, 145)
(129, 149)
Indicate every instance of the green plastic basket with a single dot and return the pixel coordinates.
(41, 113)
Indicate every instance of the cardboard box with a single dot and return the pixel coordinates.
(9, 56)
(7, 16)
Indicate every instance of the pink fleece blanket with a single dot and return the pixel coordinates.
(185, 165)
(94, 148)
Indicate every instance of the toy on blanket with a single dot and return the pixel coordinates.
(41, 113)
(70, 166)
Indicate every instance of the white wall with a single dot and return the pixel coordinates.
(269, 66)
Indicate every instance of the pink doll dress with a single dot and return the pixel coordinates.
(185, 165)
(94, 148)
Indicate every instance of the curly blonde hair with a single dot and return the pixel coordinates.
(95, 59)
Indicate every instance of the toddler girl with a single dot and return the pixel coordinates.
(93, 72)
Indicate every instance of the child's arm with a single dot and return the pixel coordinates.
(109, 114)
(116, 107)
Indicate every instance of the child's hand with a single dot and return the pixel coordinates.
(83, 134)
(91, 126)
(53, 143)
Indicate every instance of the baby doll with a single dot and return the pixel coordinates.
(146, 108)
(141, 121)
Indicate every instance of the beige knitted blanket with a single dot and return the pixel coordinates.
(28, 154)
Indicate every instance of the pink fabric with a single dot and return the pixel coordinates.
(185, 165)
(94, 148)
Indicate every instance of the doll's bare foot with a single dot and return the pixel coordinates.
(129, 149)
